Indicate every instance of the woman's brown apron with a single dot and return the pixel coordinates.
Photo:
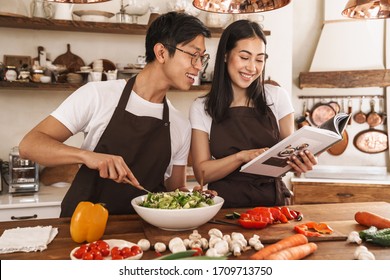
(145, 145)
(245, 129)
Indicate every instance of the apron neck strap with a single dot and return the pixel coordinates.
(126, 95)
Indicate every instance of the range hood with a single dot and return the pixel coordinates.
(350, 53)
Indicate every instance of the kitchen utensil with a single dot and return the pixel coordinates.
(41, 9)
(335, 106)
(93, 15)
(221, 222)
(360, 117)
(321, 112)
(137, 8)
(302, 120)
(373, 118)
(63, 11)
(138, 187)
(177, 219)
(107, 66)
(371, 141)
(70, 60)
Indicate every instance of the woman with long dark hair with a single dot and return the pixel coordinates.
(240, 118)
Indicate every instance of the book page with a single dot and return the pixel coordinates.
(273, 161)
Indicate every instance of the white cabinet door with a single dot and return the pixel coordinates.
(16, 214)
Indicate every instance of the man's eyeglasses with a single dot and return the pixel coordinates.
(194, 56)
(288, 151)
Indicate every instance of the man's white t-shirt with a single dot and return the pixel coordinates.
(277, 96)
(90, 108)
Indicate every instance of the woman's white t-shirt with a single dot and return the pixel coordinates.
(90, 108)
(277, 96)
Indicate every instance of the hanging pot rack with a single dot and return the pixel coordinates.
(339, 96)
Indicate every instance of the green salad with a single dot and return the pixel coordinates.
(177, 200)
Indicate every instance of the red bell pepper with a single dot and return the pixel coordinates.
(253, 221)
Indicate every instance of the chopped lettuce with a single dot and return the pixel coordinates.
(177, 200)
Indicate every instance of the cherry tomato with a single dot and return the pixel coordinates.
(115, 251)
(103, 247)
(136, 249)
(97, 255)
(199, 251)
(117, 257)
(126, 252)
(80, 252)
(88, 256)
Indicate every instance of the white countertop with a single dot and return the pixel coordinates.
(346, 174)
(46, 196)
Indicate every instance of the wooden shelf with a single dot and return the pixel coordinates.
(4, 85)
(14, 21)
(345, 79)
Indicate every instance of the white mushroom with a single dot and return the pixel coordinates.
(187, 242)
(213, 240)
(215, 232)
(212, 252)
(366, 255)
(160, 247)
(205, 243)
(176, 244)
(144, 244)
(358, 250)
(255, 242)
(354, 237)
(222, 247)
(197, 243)
(195, 235)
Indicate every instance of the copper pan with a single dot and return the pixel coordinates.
(371, 141)
(373, 118)
(360, 117)
(321, 112)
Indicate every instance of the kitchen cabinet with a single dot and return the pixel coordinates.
(44, 204)
(311, 192)
(29, 213)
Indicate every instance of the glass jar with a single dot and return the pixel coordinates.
(36, 75)
(10, 74)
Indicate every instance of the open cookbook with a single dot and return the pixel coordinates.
(315, 139)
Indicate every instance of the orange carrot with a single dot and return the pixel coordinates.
(294, 253)
(370, 219)
(290, 241)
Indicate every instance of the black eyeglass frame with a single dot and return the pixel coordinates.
(194, 56)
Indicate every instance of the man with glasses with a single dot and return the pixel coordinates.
(133, 134)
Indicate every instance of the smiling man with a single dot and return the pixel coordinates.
(132, 132)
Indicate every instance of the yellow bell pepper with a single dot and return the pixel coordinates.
(88, 222)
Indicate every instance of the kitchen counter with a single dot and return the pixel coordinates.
(131, 228)
(46, 196)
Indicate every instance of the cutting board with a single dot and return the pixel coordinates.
(70, 60)
(270, 234)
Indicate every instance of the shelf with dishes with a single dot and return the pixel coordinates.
(23, 22)
(4, 85)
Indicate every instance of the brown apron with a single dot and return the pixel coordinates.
(145, 145)
(245, 129)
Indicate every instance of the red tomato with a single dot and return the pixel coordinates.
(136, 249)
(198, 250)
(117, 257)
(80, 252)
(103, 247)
(88, 256)
(97, 255)
(115, 251)
(126, 252)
